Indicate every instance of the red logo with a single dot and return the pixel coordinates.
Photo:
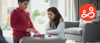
(88, 12)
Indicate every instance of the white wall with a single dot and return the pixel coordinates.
(53, 3)
(70, 8)
(29, 7)
(61, 7)
(0, 12)
(59, 4)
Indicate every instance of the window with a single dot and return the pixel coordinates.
(38, 14)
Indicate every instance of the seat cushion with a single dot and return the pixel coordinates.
(73, 30)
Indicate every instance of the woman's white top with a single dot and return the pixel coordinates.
(59, 31)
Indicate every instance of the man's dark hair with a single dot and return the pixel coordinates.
(22, 0)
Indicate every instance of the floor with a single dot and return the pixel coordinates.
(9, 39)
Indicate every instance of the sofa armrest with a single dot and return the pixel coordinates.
(71, 24)
(91, 32)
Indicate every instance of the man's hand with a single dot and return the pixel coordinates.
(31, 30)
(36, 31)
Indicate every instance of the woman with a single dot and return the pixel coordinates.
(56, 24)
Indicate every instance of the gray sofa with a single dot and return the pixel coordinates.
(90, 32)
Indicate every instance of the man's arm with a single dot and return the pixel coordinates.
(32, 26)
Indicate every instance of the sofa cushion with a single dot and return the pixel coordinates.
(69, 24)
(73, 30)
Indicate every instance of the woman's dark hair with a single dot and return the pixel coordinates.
(57, 17)
(22, 0)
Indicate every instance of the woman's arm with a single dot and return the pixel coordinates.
(59, 29)
(47, 27)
